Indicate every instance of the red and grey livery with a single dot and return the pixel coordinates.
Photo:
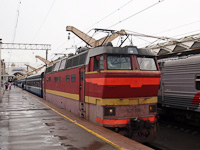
(179, 93)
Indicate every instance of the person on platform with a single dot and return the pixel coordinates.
(6, 85)
(10, 85)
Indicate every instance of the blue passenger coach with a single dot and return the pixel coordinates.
(21, 83)
(34, 84)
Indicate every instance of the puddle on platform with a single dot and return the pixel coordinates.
(50, 124)
(95, 145)
(62, 137)
(57, 119)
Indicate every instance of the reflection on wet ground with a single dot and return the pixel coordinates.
(27, 124)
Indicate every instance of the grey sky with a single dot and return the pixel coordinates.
(45, 21)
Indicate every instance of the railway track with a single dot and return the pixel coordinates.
(174, 136)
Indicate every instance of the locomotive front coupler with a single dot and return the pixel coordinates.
(139, 125)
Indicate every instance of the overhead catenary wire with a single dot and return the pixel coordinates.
(186, 33)
(172, 38)
(44, 20)
(110, 14)
(170, 29)
(16, 24)
(136, 13)
(161, 31)
(15, 29)
(103, 18)
(178, 27)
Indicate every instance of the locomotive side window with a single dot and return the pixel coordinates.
(96, 63)
(69, 63)
(82, 59)
(57, 66)
(67, 78)
(101, 63)
(119, 62)
(73, 77)
(81, 76)
(49, 69)
(59, 79)
(75, 61)
(146, 63)
(198, 82)
(62, 65)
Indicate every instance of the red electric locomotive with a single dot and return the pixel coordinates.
(115, 87)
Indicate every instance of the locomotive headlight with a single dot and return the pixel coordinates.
(109, 111)
(152, 108)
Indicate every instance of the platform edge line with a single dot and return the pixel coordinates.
(90, 131)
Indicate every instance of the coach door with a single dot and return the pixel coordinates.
(81, 84)
(82, 92)
(44, 87)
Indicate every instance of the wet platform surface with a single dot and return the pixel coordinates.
(26, 124)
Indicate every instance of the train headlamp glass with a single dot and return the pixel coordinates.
(109, 111)
(152, 108)
(132, 50)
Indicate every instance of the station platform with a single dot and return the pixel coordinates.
(28, 122)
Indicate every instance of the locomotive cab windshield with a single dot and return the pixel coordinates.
(118, 62)
(146, 63)
(125, 60)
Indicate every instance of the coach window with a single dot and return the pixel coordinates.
(49, 79)
(37, 84)
(198, 82)
(73, 77)
(55, 79)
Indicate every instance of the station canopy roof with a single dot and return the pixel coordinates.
(177, 47)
